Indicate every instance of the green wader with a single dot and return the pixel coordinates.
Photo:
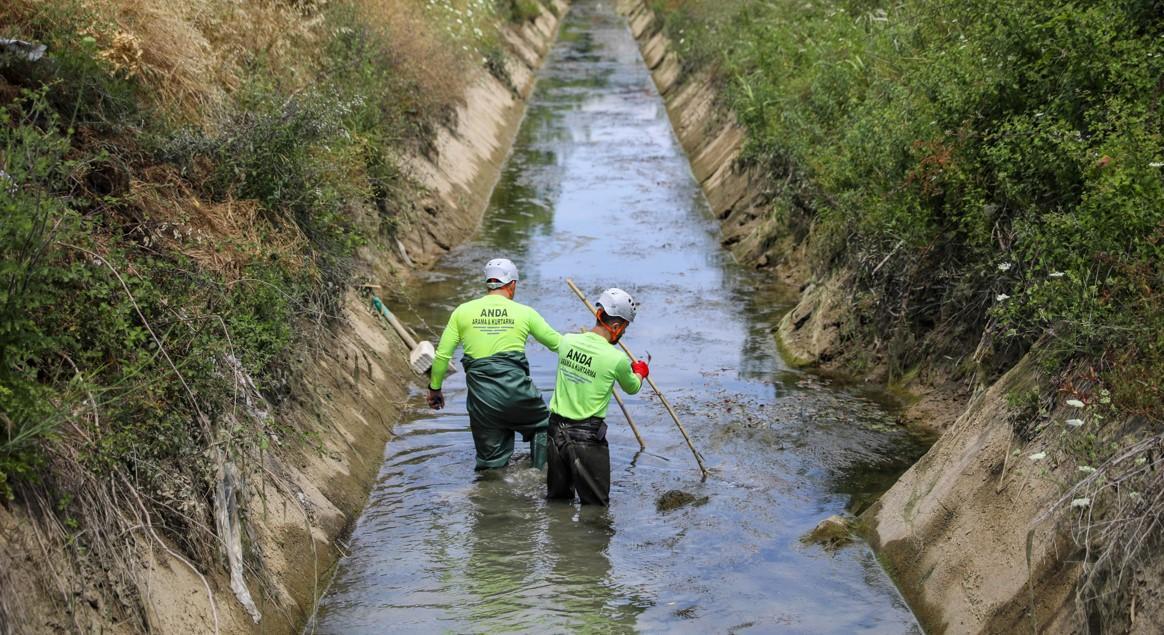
(503, 400)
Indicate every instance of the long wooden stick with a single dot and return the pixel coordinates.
(666, 404)
(626, 413)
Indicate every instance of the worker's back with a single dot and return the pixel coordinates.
(588, 366)
(494, 324)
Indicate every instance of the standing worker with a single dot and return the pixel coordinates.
(588, 366)
(502, 397)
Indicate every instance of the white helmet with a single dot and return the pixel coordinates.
(618, 303)
(501, 270)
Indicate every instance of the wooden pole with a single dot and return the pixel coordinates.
(626, 413)
(666, 404)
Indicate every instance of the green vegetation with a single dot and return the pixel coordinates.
(1006, 158)
(992, 172)
(181, 200)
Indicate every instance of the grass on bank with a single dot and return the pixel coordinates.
(993, 172)
(183, 187)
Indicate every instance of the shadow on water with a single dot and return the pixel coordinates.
(598, 190)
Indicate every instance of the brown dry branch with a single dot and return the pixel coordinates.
(1116, 516)
(221, 237)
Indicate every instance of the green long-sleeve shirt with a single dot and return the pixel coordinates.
(489, 325)
(588, 366)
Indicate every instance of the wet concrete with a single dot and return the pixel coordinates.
(598, 189)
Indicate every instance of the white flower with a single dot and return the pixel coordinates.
(1002, 297)
(1081, 502)
(1038, 456)
(1056, 274)
(1004, 266)
(1074, 403)
(1075, 423)
(1086, 469)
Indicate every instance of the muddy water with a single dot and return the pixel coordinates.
(598, 189)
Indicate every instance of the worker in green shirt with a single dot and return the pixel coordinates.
(588, 366)
(502, 398)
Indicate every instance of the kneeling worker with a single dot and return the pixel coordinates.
(502, 398)
(588, 366)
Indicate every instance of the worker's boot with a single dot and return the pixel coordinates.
(537, 450)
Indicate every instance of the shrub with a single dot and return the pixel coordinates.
(954, 137)
(32, 220)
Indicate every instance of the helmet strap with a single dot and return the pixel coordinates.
(615, 332)
(509, 289)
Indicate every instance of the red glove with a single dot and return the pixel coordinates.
(641, 369)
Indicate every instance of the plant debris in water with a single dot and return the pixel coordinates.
(676, 498)
(831, 533)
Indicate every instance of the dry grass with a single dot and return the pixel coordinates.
(222, 237)
(420, 52)
(191, 55)
(1115, 515)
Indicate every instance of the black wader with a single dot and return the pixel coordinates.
(579, 460)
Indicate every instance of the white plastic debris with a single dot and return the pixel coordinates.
(1038, 456)
(226, 519)
(1056, 274)
(1086, 469)
(1002, 297)
(28, 51)
(1081, 502)
(1074, 403)
(1075, 423)
(421, 357)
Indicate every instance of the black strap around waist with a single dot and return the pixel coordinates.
(593, 425)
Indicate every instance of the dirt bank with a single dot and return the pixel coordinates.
(953, 531)
(302, 497)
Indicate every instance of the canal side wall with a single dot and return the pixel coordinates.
(360, 386)
(713, 141)
(469, 156)
(298, 505)
(953, 531)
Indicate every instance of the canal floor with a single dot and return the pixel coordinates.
(598, 189)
